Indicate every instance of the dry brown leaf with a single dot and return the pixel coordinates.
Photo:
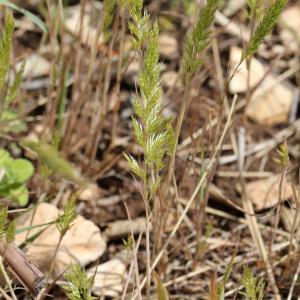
(267, 108)
(109, 279)
(264, 193)
(82, 244)
(168, 46)
(290, 32)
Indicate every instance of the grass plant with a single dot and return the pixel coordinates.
(82, 109)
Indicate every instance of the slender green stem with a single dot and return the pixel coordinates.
(54, 258)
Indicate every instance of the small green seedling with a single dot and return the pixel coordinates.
(282, 158)
(254, 288)
(78, 286)
(13, 175)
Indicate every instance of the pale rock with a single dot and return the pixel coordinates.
(109, 279)
(264, 193)
(82, 243)
(91, 192)
(233, 6)
(89, 31)
(290, 27)
(36, 66)
(171, 79)
(271, 101)
(168, 46)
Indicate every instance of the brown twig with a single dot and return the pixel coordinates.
(22, 268)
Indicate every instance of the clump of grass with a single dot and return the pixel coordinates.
(78, 286)
(153, 132)
(254, 289)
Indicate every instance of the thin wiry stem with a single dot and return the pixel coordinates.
(252, 221)
(7, 280)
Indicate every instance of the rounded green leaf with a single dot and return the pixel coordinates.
(4, 157)
(36, 20)
(20, 194)
(22, 169)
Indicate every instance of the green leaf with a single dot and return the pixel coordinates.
(162, 293)
(36, 20)
(14, 174)
(23, 169)
(221, 287)
(11, 122)
(53, 160)
(4, 157)
(20, 194)
(30, 227)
